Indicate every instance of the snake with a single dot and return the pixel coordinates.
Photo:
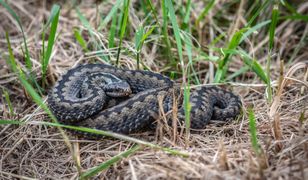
(104, 97)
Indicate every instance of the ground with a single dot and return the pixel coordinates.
(221, 150)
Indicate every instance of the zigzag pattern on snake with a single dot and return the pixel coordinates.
(125, 101)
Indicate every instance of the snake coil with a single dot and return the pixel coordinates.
(125, 101)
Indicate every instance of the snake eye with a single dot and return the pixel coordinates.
(79, 95)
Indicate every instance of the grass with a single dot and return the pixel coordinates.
(140, 37)
(193, 42)
(37, 99)
(80, 40)
(96, 170)
(176, 30)
(16, 17)
(8, 102)
(253, 132)
(53, 20)
(123, 27)
(205, 11)
(274, 20)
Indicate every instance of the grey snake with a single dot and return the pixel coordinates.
(124, 101)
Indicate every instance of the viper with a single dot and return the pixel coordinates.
(125, 101)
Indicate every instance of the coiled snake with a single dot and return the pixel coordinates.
(125, 101)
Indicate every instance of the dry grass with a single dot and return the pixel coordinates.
(217, 152)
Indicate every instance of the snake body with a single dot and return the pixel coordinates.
(103, 97)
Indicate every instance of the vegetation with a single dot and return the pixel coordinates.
(256, 48)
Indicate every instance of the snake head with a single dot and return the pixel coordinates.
(112, 85)
(118, 89)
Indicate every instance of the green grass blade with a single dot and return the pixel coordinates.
(223, 64)
(6, 122)
(295, 17)
(187, 15)
(12, 63)
(187, 36)
(176, 31)
(12, 12)
(289, 7)
(119, 21)
(110, 15)
(54, 19)
(187, 109)
(95, 170)
(84, 21)
(106, 133)
(140, 37)
(28, 62)
(254, 29)
(153, 10)
(80, 40)
(274, 21)
(253, 132)
(257, 13)
(36, 97)
(165, 31)
(249, 61)
(121, 137)
(8, 101)
(217, 39)
(123, 28)
(236, 38)
(11, 60)
(257, 68)
(302, 118)
(53, 13)
(242, 70)
(27, 54)
(268, 72)
(138, 43)
(112, 32)
(188, 48)
(252, 9)
(90, 29)
(254, 65)
(147, 34)
(205, 11)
